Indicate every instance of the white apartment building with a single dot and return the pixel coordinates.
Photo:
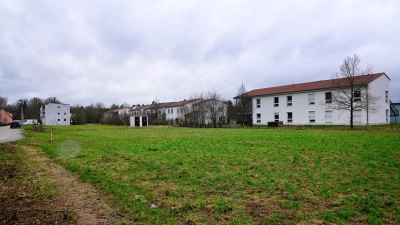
(55, 114)
(176, 111)
(308, 103)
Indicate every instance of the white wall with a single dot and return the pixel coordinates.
(378, 88)
(56, 114)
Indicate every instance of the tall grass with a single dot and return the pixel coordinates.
(235, 176)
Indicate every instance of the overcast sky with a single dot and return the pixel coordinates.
(130, 51)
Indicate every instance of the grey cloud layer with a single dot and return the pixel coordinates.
(135, 51)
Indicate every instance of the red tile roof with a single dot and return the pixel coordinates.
(160, 105)
(315, 85)
(140, 107)
(181, 103)
(113, 110)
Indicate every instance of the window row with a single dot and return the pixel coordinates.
(311, 116)
(289, 100)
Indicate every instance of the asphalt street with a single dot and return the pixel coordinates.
(9, 135)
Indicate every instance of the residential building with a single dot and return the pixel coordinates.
(157, 111)
(117, 116)
(5, 117)
(139, 111)
(308, 103)
(394, 112)
(208, 112)
(175, 112)
(55, 114)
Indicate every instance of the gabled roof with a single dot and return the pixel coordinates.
(114, 110)
(315, 85)
(140, 107)
(8, 113)
(182, 103)
(160, 105)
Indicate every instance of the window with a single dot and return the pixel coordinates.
(311, 115)
(387, 115)
(258, 103)
(289, 100)
(289, 117)
(220, 109)
(65, 113)
(258, 117)
(357, 116)
(386, 96)
(58, 106)
(311, 99)
(58, 113)
(276, 101)
(276, 117)
(65, 120)
(328, 97)
(58, 119)
(357, 96)
(328, 116)
(172, 110)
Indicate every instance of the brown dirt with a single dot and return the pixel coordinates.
(74, 202)
(79, 197)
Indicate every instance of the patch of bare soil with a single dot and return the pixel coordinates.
(70, 202)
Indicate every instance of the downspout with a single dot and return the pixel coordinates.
(367, 107)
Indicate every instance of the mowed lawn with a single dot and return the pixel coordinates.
(169, 175)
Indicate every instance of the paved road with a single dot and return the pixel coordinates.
(8, 135)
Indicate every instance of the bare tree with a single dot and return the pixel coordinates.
(351, 88)
(51, 100)
(243, 106)
(3, 102)
(214, 107)
(78, 115)
(33, 109)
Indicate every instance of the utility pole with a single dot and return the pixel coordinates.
(22, 115)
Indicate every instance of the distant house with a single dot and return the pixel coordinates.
(117, 116)
(394, 112)
(139, 111)
(5, 117)
(208, 112)
(55, 114)
(157, 112)
(175, 112)
(305, 103)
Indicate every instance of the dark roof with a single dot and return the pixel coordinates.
(140, 107)
(315, 85)
(160, 105)
(181, 103)
(113, 110)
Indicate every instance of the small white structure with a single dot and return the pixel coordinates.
(55, 114)
(139, 121)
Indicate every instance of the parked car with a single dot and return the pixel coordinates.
(15, 123)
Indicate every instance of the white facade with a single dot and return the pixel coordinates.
(176, 111)
(310, 107)
(55, 114)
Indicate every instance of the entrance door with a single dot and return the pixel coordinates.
(137, 121)
(144, 121)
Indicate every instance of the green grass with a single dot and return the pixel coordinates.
(235, 176)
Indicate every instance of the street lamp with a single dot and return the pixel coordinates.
(22, 115)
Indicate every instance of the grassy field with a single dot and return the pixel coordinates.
(166, 175)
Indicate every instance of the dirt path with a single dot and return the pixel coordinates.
(74, 195)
